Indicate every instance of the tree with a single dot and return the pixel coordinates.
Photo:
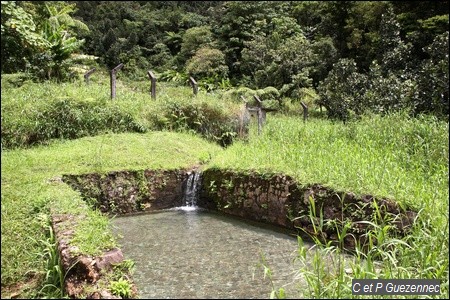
(157, 25)
(20, 38)
(420, 22)
(46, 33)
(388, 92)
(394, 55)
(282, 58)
(240, 22)
(432, 96)
(193, 39)
(325, 55)
(207, 62)
(57, 29)
(363, 27)
(343, 91)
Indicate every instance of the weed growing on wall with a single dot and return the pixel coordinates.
(121, 288)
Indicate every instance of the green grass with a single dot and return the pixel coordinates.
(30, 187)
(393, 156)
(405, 159)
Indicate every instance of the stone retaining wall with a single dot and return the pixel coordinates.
(83, 275)
(123, 192)
(315, 210)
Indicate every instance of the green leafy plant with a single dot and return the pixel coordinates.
(174, 76)
(54, 276)
(47, 37)
(121, 287)
(279, 293)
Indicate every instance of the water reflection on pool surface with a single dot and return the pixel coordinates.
(186, 253)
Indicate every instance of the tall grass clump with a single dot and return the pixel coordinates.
(70, 119)
(38, 112)
(395, 156)
(53, 286)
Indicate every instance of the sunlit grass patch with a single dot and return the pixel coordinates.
(386, 156)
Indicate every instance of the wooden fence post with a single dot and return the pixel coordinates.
(113, 80)
(261, 113)
(305, 111)
(87, 74)
(258, 101)
(194, 85)
(153, 84)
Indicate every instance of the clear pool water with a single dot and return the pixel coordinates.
(193, 253)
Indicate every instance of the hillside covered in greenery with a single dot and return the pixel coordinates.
(349, 56)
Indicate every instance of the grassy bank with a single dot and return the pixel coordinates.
(393, 156)
(35, 113)
(31, 186)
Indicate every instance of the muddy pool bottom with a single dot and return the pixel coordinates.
(193, 253)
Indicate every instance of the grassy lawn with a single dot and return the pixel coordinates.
(30, 187)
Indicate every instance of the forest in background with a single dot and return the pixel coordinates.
(348, 56)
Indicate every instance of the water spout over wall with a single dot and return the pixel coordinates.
(191, 192)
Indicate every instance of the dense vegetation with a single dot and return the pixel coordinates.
(396, 156)
(357, 56)
(380, 66)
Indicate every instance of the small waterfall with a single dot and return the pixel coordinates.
(191, 191)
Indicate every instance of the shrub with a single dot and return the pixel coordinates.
(343, 90)
(207, 62)
(14, 80)
(212, 120)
